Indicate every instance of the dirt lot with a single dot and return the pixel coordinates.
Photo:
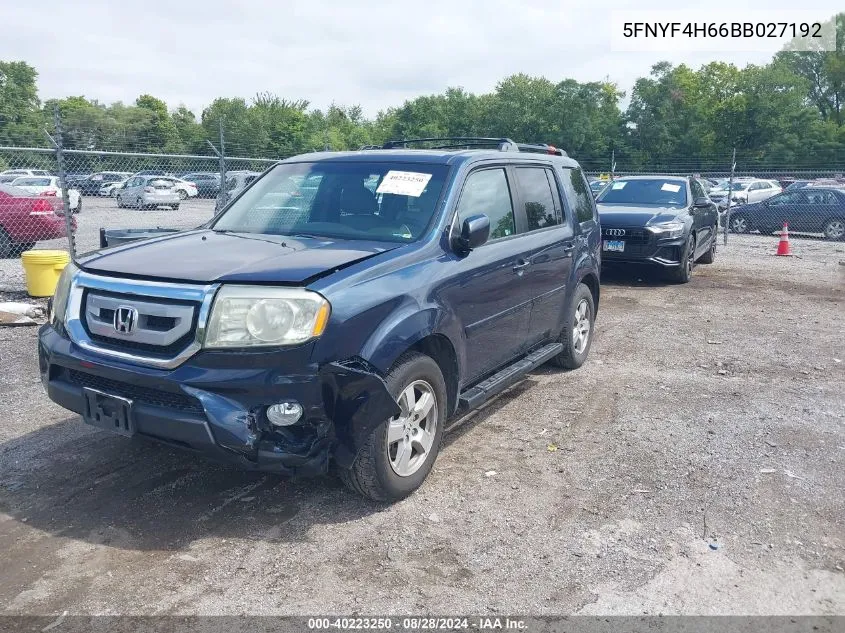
(694, 465)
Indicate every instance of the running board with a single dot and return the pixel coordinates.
(507, 377)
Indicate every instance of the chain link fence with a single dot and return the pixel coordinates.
(105, 191)
(110, 190)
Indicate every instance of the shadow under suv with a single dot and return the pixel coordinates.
(338, 325)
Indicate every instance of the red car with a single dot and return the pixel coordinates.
(26, 219)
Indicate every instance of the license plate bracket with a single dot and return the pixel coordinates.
(108, 412)
(614, 246)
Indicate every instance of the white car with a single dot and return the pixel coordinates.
(184, 188)
(110, 190)
(25, 172)
(745, 191)
(48, 186)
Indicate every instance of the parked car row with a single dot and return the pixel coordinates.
(806, 209)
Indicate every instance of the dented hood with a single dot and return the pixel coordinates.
(209, 256)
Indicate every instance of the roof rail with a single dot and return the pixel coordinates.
(503, 144)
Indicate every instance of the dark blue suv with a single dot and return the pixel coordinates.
(338, 311)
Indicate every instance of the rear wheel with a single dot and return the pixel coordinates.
(139, 203)
(183, 195)
(119, 202)
(399, 453)
(683, 273)
(740, 224)
(577, 335)
(834, 229)
(78, 208)
(7, 246)
(175, 207)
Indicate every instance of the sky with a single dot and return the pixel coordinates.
(375, 54)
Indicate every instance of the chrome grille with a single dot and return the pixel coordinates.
(154, 323)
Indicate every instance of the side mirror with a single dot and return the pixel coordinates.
(701, 203)
(475, 230)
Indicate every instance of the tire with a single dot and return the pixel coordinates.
(183, 195)
(7, 246)
(581, 315)
(834, 229)
(78, 208)
(740, 224)
(119, 202)
(139, 204)
(683, 273)
(175, 207)
(374, 474)
(710, 256)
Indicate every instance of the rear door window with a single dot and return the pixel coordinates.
(542, 204)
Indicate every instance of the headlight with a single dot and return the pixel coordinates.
(60, 297)
(250, 316)
(667, 229)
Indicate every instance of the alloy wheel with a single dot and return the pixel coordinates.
(410, 435)
(581, 328)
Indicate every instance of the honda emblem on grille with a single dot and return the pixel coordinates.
(614, 232)
(125, 318)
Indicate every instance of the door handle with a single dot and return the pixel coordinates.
(520, 266)
(568, 247)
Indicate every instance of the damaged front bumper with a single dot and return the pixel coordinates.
(215, 402)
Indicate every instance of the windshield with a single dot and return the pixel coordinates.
(647, 191)
(379, 200)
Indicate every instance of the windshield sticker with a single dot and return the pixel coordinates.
(619, 185)
(404, 183)
(667, 186)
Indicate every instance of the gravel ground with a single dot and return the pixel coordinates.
(103, 212)
(694, 465)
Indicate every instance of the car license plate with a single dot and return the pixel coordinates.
(108, 412)
(617, 246)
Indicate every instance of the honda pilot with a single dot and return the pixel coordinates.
(337, 328)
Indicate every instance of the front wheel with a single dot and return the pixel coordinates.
(139, 204)
(834, 229)
(577, 335)
(710, 256)
(78, 208)
(683, 273)
(119, 202)
(399, 453)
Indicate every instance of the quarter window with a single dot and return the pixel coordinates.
(578, 194)
(487, 193)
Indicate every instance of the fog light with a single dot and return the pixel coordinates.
(284, 413)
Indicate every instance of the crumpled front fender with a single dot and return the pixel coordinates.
(356, 399)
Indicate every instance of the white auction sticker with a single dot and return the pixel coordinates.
(670, 187)
(619, 185)
(404, 183)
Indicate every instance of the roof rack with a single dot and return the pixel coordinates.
(503, 144)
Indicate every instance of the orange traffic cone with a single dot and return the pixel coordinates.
(783, 245)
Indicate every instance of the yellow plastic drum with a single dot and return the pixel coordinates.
(42, 270)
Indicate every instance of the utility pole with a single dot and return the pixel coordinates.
(221, 155)
(60, 161)
(612, 164)
(730, 193)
